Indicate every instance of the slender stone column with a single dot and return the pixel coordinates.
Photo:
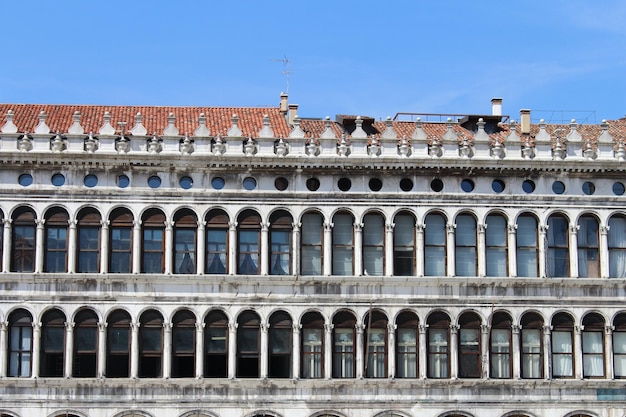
(480, 248)
(295, 248)
(102, 346)
(136, 246)
(419, 249)
(608, 352)
(265, 250)
(453, 351)
(389, 249)
(422, 351)
(543, 232)
(328, 250)
(573, 250)
(328, 350)
(169, 247)
(391, 350)
(199, 350)
(167, 350)
(578, 352)
(71, 247)
(512, 249)
(232, 249)
(69, 349)
(6, 245)
(39, 245)
(357, 250)
(361, 356)
(547, 352)
(200, 248)
(36, 349)
(450, 249)
(232, 349)
(104, 247)
(604, 251)
(516, 348)
(3, 348)
(134, 350)
(484, 351)
(265, 327)
(295, 363)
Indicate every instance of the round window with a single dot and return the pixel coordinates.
(618, 188)
(154, 182)
(186, 182)
(123, 181)
(218, 183)
(90, 180)
(26, 179)
(249, 183)
(406, 184)
(281, 183)
(375, 184)
(58, 180)
(497, 186)
(467, 185)
(313, 184)
(344, 184)
(558, 187)
(528, 186)
(589, 188)
(436, 185)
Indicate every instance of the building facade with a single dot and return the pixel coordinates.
(245, 262)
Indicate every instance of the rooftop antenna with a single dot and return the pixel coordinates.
(286, 71)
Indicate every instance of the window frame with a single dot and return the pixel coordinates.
(532, 250)
(184, 321)
(588, 252)
(52, 358)
(216, 321)
(469, 323)
(435, 240)
(501, 322)
(403, 247)
(250, 323)
(216, 221)
(593, 324)
(118, 321)
(152, 224)
(372, 251)
(344, 353)
(312, 351)
(531, 323)
(492, 249)
(617, 246)
(462, 247)
(85, 320)
(149, 321)
(439, 322)
(89, 220)
(555, 245)
(249, 222)
(280, 322)
(23, 248)
(563, 324)
(619, 354)
(20, 320)
(185, 261)
(343, 246)
(281, 223)
(309, 246)
(56, 225)
(373, 355)
(407, 351)
(121, 223)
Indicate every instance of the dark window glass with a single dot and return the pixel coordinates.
(185, 227)
(497, 186)
(249, 248)
(20, 344)
(280, 343)
(118, 345)
(248, 345)
(375, 184)
(218, 183)
(311, 244)
(558, 247)
(312, 184)
(23, 241)
(618, 188)
(186, 183)
(281, 183)
(344, 358)
(216, 261)
(56, 241)
(150, 345)
(58, 180)
(249, 183)
(406, 345)
(123, 181)
(344, 184)
(404, 245)
(531, 352)
(375, 345)
(406, 184)
(26, 179)
(312, 351)
(183, 345)
(85, 345)
(558, 187)
(469, 346)
(153, 223)
(154, 182)
(528, 186)
(90, 180)
(588, 247)
(52, 353)
(436, 185)
(467, 185)
(120, 247)
(216, 345)
(589, 188)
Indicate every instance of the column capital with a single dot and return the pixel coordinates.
(574, 228)
(515, 329)
(40, 223)
(419, 227)
(71, 223)
(265, 327)
(167, 326)
(200, 326)
(389, 227)
(358, 227)
(547, 330)
(512, 228)
(296, 226)
(579, 329)
(482, 227)
(7, 222)
(69, 325)
(543, 228)
(484, 329)
(201, 224)
(232, 327)
(36, 325)
(137, 224)
(328, 327)
(391, 327)
(105, 223)
(4, 325)
(604, 230)
(102, 326)
(422, 328)
(450, 227)
(328, 227)
(265, 226)
(134, 326)
(169, 225)
(454, 328)
(232, 226)
(359, 328)
(296, 327)
(608, 330)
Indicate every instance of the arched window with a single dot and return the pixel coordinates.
(470, 365)
(532, 346)
(216, 242)
(118, 345)
(248, 345)
(343, 244)
(527, 246)
(562, 346)
(435, 245)
(404, 245)
(88, 247)
(20, 343)
(558, 246)
(216, 345)
(85, 354)
(593, 346)
(406, 345)
(52, 349)
(280, 243)
(375, 342)
(249, 235)
(280, 342)
(151, 345)
(438, 335)
(588, 259)
(500, 346)
(57, 222)
(185, 227)
(344, 359)
(373, 244)
(619, 346)
(153, 228)
(465, 238)
(312, 244)
(120, 235)
(617, 247)
(312, 345)
(23, 240)
(496, 242)
(183, 345)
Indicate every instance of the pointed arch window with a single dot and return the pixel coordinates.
(375, 348)
(20, 344)
(496, 242)
(311, 244)
(118, 345)
(153, 225)
(120, 235)
(151, 345)
(619, 346)
(588, 258)
(249, 235)
(527, 246)
(617, 247)
(185, 228)
(343, 244)
(280, 342)
(216, 242)
(88, 247)
(558, 246)
(435, 245)
(465, 238)
(85, 354)
(52, 349)
(562, 346)
(248, 345)
(532, 346)
(344, 360)
(593, 346)
(216, 345)
(23, 240)
(470, 365)
(280, 243)
(373, 244)
(404, 245)
(183, 345)
(56, 243)
(312, 346)
(500, 346)
(438, 335)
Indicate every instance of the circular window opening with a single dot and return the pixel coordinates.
(313, 184)
(123, 181)
(281, 183)
(344, 184)
(249, 183)
(558, 187)
(218, 183)
(375, 184)
(467, 185)
(90, 180)
(618, 188)
(436, 185)
(589, 188)
(58, 180)
(186, 182)
(406, 184)
(26, 179)
(154, 182)
(497, 186)
(528, 186)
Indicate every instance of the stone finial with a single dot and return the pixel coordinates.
(513, 137)
(481, 135)
(91, 143)
(560, 150)
(449, 135)
(373, 148)
(202, 131)
(106, 128)
(9, 126)
(343, 148)
(404, 147)
(605, 137)
(297, 131)
(281, 148)
(620, 152)
(418, 133)
(76, 128)
(465, 150)
(389, 132)
(574, 136)
(218, 147)
(328, 132)
(154, 144)
(435, 148)
(42, 128)
(171, 129)
(359, 133)
(266, 131)
(249, 147)
(542, 135)
(234, 130)
(138, 129)
(57, 143)
(25, 143)
(186, 145)
(122, 145)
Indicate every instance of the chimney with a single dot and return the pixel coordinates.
(496, 107)
(293, 112)
(524, 115)
(283, 104)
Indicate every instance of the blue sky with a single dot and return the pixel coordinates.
(352, 57)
